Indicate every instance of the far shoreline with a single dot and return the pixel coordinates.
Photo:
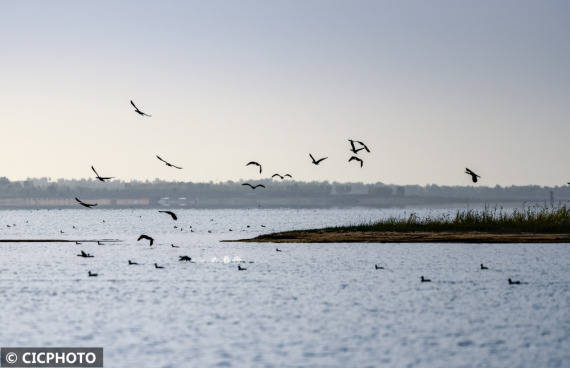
(331, 236)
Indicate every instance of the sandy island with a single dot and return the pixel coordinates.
(317, 236)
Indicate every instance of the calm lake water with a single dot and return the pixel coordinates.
(311, 305)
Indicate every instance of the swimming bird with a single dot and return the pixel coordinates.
(184, 259)
(483, 267)
(85, 255)
(88, 205)
(172, 214)
(316, 162)
(91, 274)
(240, 268)
(277, 250)
(354, 158)
(138, 111)
(132, 263)
(77, 242)
(511, 282)
(280, 176)
(168, 163)
(174, 246)
(157, 266)
(100, 243)
(143, 236)
(99, 177)
(474, 177)
(423, 279)
(376, 267)
(254, 163)
(253, 187)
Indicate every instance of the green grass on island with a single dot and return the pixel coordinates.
(530, 220)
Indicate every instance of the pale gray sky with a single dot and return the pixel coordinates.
(431, 86)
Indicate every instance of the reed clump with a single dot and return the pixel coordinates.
(527, 220)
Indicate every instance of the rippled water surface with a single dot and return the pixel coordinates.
(317, 305)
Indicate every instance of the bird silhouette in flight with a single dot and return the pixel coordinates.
(172, 214)
(85, 255)
(353, 148)
(474, 177)
(138, 111)
(143, 236)
(99, 177)
(253, 187)
(88, 205)
(132, 263)
(168, 163)
(354, 158)
(184, 259)
(157, 266)
(91, 274)
(316, 162)
(254, 163)
(280, 176)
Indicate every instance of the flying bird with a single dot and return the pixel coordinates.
(168, 163)
(143, 236)
(353, 148)
(253, 187)
(88, 205)
(316, 162)
(138, 111)
(99, 177)
(354, 158)
(280, 176)
(85, 255)
(172, 214)
(474, 176)
(254, 163)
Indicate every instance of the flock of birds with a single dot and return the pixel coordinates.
(356, 147)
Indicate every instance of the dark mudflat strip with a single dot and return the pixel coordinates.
(404, 237)
(59, 240)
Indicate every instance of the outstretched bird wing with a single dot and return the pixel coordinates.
(135, 106)
(363, 145)
(312, 158)
(259, 185)
(95, 171)
(322, 159)
(172, 214)
(288, 175)
(249, 185)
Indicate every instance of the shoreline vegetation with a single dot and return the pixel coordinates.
(530, 225)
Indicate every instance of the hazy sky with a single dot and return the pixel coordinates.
(431, 86)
